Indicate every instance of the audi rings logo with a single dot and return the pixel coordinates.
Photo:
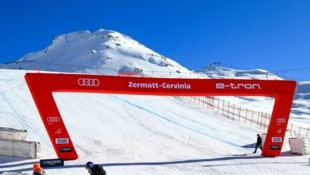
(53, 119)
(88, 82)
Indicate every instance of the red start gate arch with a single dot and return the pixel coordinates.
(42, 85)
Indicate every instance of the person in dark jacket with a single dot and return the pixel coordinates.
(94, 169)
(258, 143)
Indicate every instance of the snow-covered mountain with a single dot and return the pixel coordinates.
(214, 71)
(301, 103)
(138, 134)
(102, 52)
(112, 53)
(109, 52)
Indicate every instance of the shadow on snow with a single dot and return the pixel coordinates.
(241, 156)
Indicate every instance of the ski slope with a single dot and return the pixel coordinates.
(140, 135)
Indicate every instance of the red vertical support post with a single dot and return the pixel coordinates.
(279, 121)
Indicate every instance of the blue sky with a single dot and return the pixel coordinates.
(240, 34)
